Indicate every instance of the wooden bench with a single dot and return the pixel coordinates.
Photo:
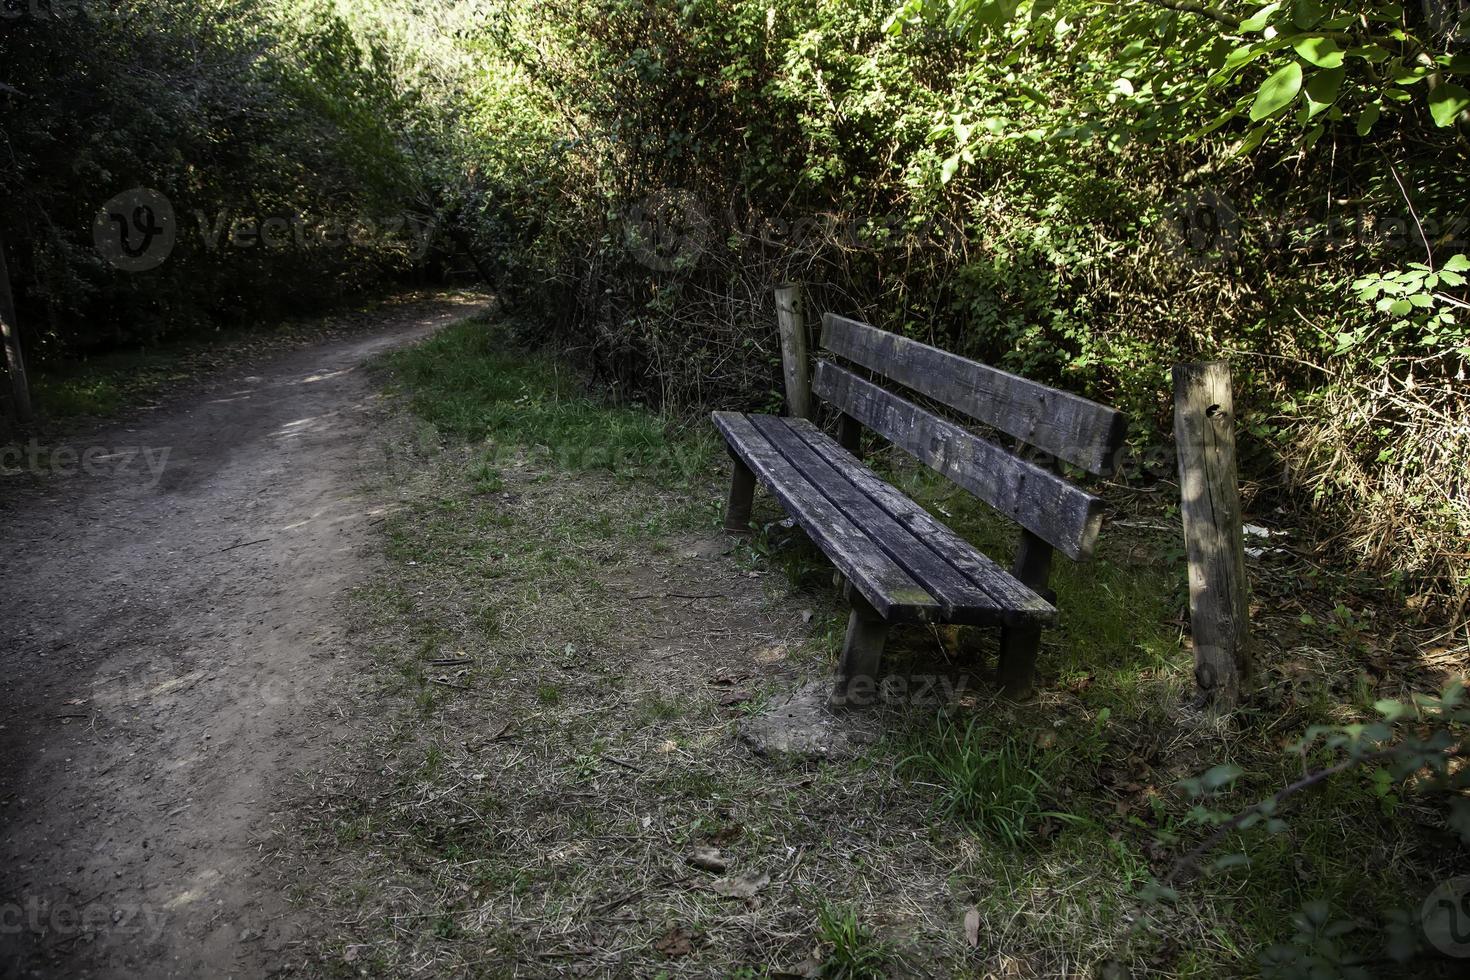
(900, 565)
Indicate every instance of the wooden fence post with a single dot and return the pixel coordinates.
(1204, 429)
(15, 365)
(792, 321)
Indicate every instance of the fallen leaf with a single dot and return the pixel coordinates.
(739, 887)
(678, 941)
(707, 858)
(727, 677)
(972, 928)
(734, 698)
(806, 615)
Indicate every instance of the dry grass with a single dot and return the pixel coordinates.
(557, 662)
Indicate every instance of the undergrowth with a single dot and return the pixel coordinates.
(566, 648)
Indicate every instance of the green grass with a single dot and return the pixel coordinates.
(991, 782)
(853, 950)
(106, 384)
(1047, 816)
(470, 381)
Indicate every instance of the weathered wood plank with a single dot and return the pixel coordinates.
(1030, 495)
(1018, 602)
(794, 362)
(1068, 426)
(891, 590)
(1204, 429)
(959, 598)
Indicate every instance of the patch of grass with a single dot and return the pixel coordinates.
(853, 950)
(470, 381)
(593, 722)
(106, 384)
(995, 782)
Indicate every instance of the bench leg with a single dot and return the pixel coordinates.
(742, 493)
(857, 670)
(1019, 646)
(850, 434)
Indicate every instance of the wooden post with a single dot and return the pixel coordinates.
(792, 321)
(15, 365)
(1204, 429)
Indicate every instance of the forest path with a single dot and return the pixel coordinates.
(172, 649)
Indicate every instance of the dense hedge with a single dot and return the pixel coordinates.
(234, 112)
(1085, 192)
(1082, 192)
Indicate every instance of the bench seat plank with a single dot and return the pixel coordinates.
(959, 598)
(1006, 593)
(892, 591)
(860, 521)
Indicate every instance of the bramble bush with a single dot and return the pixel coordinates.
(1079, 190)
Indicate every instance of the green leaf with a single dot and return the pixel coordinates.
(1248, 144)
(1368, 117)
(1447, 101)
(1221, 776)
(1456, 263)
(1277, 92)
(1322, 89)
(1320, 51)
(1260, 19)
(1392, 710)
(1400, 308)
(948, 168)
(1306, 14)
(1369, 52)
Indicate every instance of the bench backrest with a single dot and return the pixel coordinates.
(1055, 422)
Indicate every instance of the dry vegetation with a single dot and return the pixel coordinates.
(560, 658)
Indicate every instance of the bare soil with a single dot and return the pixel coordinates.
(173, 650)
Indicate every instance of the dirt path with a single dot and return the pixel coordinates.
(171, 652)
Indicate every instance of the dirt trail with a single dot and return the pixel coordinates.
(170, 651)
